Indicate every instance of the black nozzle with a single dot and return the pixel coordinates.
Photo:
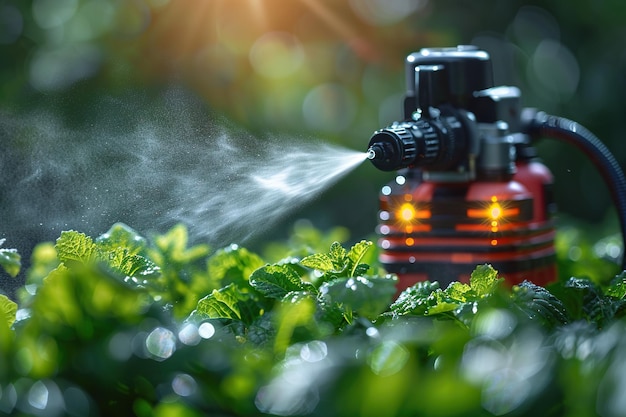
(391, 148)
(435, 144)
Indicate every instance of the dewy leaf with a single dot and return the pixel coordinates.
(458, 291)
(585, 299)
(442, 303)
(355, 255)
(121, 236)
(484, 280)
(8, 309)
(338, 256)
(275, 281)
(617, 287)
(75, 246)
(536, 302)
(233, 265)
(369, 297)
(319, 261)
(10, 260)
(220, 304)
(415, 299)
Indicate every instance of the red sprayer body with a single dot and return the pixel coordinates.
(469, 188)
(442, 231)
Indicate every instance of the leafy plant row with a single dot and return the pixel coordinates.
(122, 324)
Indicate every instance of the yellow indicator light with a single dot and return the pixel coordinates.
(495, 211)
(406, 212)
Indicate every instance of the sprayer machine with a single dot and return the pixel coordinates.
(470, 188)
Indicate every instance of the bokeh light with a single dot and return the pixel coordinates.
(161, 343)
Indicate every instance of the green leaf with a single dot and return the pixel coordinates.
(337, 255)
(443, 304)
(360, 270)
(10, 260)
(121, 236)
(617, 286)
(220, 304)
(484, 280)
(233, 265)
(539, 304)
(8, 309)
(299, 311)
(585, 300)
(368, 297)
(75, 246)
(171, 248)
(319, 261)
(355, 255)
(136, 265)
(415, 300)
(276, 281)
(459, 291)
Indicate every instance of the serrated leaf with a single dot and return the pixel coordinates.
(10, 260)
(458, 291)
(276, 281)
(538, 303)
(121, 236)
(442, 303)
(220, 304)
(75, 246)
(484, 280)
(8, 309)
(136, 265)
(617, 287)
(319, 261)
(171, 248)
(337, 254)
(355, 255)
(233, 265)
(588, 301)
(369, 297)
(415, 300)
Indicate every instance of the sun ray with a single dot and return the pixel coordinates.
(256, 6)
(342, 28)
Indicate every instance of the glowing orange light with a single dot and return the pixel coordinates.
(495, 211)
(494, 242)
(410, 241)
(406, 212)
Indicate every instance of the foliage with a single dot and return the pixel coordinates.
(9, 260)
(126, 325)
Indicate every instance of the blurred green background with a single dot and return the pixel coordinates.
(76, 75)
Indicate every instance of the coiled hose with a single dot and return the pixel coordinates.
(539, 124)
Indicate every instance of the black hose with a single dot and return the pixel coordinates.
(539, 125)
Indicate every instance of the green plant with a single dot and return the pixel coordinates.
(126, 325)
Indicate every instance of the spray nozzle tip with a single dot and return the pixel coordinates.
(371, 153)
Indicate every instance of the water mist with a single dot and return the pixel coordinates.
(152, 162)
